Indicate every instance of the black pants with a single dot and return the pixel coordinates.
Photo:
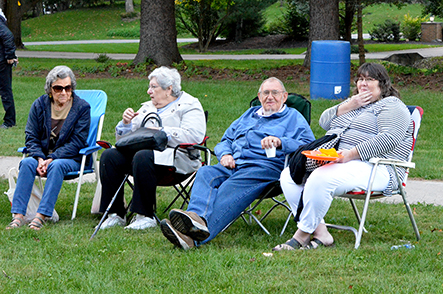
(114, 165)
(6, 93)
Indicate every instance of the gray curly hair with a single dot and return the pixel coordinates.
(167, 77)
(59, 72)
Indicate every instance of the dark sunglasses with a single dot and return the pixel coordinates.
(59, 89)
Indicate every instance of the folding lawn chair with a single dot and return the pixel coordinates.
(369, 194)
(182, 183)
(302, 105)
(97, 99)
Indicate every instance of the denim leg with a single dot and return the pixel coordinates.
(25, 181)
(57, 170)
(235, 194)
(205, 189)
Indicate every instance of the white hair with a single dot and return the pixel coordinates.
(167, 77)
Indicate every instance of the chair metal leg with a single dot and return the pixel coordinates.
(79, 185)
(408, 208)
(286, 223)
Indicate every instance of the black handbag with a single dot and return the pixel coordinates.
(144, 138)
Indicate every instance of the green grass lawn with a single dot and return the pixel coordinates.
(61, 259)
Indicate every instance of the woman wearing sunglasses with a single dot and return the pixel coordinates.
(57, 128)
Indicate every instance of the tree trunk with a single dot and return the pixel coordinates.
(158, 34)
(14, 13)
(350, 7)
(360, 41)
(129, 6)
(323, 23)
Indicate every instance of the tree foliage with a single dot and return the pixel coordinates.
(433, 7)
(203, 18)
(246, 19)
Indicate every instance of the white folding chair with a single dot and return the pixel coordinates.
(369, 194)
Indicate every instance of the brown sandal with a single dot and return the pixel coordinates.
(16, 222)
(37, 223)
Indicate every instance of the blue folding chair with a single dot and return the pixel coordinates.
(97, 99)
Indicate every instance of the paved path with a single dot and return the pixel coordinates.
(418, 191)
(426, 52)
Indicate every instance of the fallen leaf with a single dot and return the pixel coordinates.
(252, 259)
(268, 254)
(258, 212)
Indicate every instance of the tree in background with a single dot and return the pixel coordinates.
(14, 11)
(323, 24)
(158, 34)
(246, 20)
(432, 7)
(204, 19)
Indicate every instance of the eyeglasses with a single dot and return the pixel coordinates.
(59, 89)
(367, 79)
(274, 93)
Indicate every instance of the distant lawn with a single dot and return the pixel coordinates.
(132, 48)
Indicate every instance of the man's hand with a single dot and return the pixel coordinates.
(227, 161)
(270, 142)
(12, 61)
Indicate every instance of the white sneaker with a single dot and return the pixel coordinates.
(112, 221)
(141, 222)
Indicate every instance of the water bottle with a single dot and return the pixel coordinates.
(407, 246)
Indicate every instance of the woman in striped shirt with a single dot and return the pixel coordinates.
(374, 122)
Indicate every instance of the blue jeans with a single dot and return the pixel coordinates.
(220, 194)
(57, 170)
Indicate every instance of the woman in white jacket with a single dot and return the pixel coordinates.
(183, 121)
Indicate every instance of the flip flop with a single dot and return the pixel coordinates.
(291, 244)
(316, 243)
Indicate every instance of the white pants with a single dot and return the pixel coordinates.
(326, 182)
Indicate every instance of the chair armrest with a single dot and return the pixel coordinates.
(23, 150)
(89, 150)
(392, 162)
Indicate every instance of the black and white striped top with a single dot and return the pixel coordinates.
(381, 129)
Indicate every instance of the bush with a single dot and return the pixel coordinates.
(411, 27)
(246, 20)
(102, 58)
(295, 22)
(386, 32)
(125, 33)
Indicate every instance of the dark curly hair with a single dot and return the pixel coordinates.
(378, 72)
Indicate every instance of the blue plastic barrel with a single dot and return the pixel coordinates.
(330, 69)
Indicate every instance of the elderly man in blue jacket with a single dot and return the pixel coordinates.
(221, 192)
(7, 59)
